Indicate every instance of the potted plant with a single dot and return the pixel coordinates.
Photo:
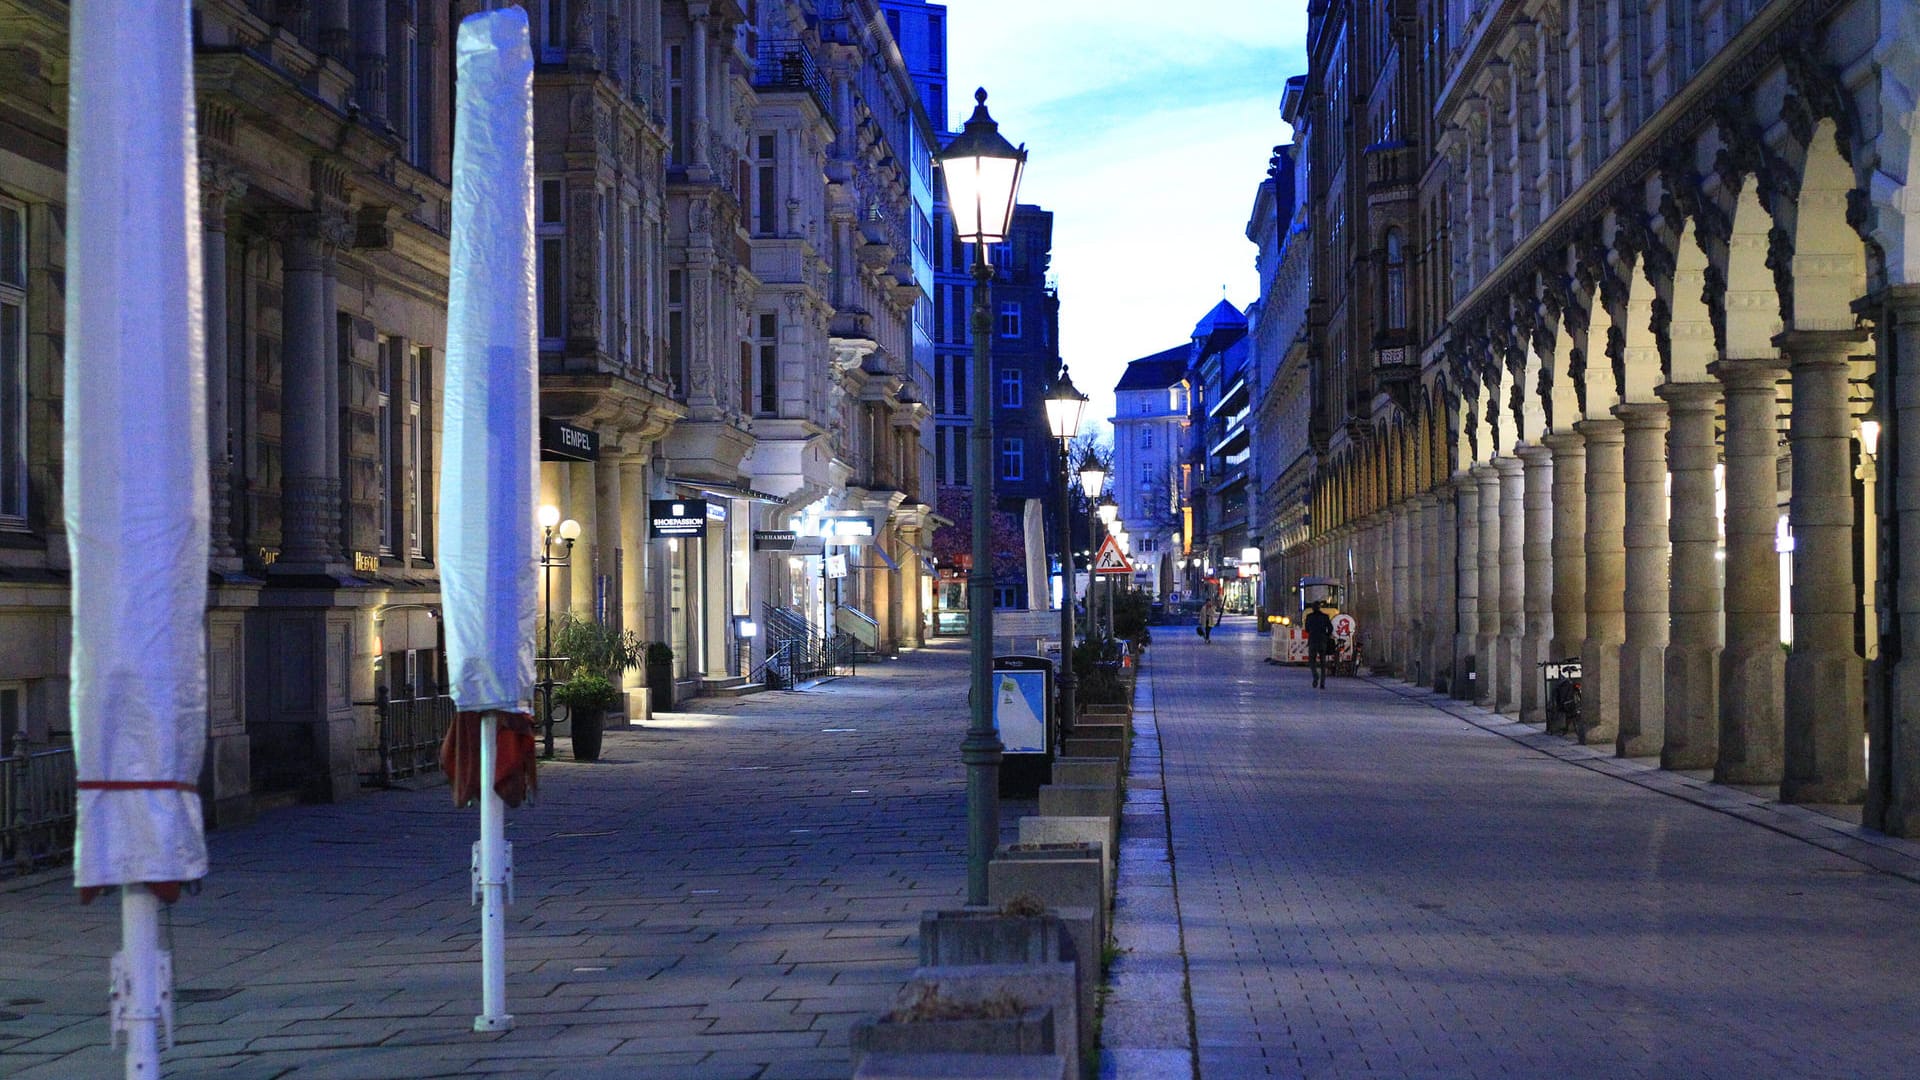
(660, 675)
(587, 699)
(596, 656)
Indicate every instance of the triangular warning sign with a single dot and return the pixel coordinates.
(1111, 560)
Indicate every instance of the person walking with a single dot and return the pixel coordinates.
(1320, 644)
(1209, 614)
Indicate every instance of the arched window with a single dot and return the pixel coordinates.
(1393, 292)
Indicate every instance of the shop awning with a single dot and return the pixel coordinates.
(726, 491)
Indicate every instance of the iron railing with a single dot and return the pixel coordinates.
(798, 651)
(407, 735)
(37, 806)
(787, 64)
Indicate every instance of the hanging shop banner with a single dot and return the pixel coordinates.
(561, 441)
(678, 517)
(774, 539)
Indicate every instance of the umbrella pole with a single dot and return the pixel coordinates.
(492, 875)
(138, 978)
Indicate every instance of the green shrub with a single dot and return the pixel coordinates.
(586, 692)
(594, 649)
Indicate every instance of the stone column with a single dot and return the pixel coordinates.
(633, 552)
(1513, 580)
(1643, 672)
(219, 186)
(1444, 539)
(1487, 639)
(370, 63)
(607, 530)
(1893, 801)
(1569, 549)
(697, 14)
(1606, 578)
(1693, 591)
(1466, 578)
(309, 497)
(1752, 669)
(1825, 716)
(1537, 601)
(1413, 662)
(1405, 592)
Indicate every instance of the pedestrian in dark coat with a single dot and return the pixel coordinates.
(1321, 646)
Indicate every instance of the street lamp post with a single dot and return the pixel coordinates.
(568, 532)
(1093, 477)
(1064, 404)
(982, 175)
(1109, 513)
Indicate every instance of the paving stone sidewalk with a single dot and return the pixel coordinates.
(719, 898)
(1371, 887)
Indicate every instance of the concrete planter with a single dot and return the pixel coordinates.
(1070, 880)
(1030, 1031)
(1049, 986)
(1079, 800)
(1087, 771)
(891, 1066)
(960, 937)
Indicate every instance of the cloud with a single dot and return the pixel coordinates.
(1149, 128)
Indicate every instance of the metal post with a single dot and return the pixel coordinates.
(1066, 587)
(982, 748)
(546, 649)
(142, 969)
(493, 873)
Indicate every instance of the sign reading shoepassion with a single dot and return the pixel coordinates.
(677, 517)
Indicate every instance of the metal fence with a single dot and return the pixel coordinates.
(407, 733)
(37, 811)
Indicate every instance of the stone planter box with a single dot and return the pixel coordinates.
(1087, 770)
(1069, 830)
(1071, 881)
(1048, 986)
(960, 937)
(961, 1067)
(1081, 746)
(1028, 1032)
(1079, 800)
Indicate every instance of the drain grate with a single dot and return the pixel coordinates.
(189, 997)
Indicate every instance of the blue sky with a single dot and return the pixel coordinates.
(1148, 126)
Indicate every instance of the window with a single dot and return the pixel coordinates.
(553, 31)
(962, 406)
(383, 376)
(936, 51)
(768, 401)
(677, 329)
(413, 449)
(677, 102)
(1013, 458)
(1010, 318)
(1012, 392)
(940, 386)
(13, 363)
(11, 722)
(1394, 282)
(766, 216)
(1001, 255)
(1146, 438)
(603, 241)
(552, 235)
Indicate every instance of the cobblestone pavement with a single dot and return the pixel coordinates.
(1369, 886)
(718, 898)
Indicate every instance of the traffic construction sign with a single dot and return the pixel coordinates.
(1111, 560)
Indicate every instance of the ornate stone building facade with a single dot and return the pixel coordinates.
(1663, 314)
(727, 305)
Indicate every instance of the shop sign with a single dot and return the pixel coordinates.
(836, 566)
(363, 563)
(774, 539)
(561, 441)
(808, 545)
(716, 511)
(678, 517)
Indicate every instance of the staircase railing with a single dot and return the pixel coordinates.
(798, 651)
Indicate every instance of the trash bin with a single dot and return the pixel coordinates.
(1023, 715)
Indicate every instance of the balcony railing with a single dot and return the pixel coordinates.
(787, 64)
(37, 807)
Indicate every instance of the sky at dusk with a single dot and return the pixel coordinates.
(1148, 127)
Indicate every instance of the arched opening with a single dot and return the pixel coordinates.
(1642, 348)
(1690, 334)
(1393, 281)
(1753, 307)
